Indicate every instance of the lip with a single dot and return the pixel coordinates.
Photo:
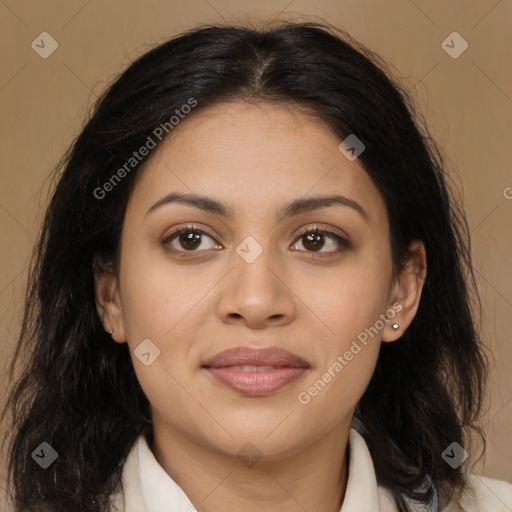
(225, 367)
(272, 356)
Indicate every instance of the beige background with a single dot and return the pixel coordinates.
(467, 101)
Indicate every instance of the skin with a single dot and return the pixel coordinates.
(254, 158)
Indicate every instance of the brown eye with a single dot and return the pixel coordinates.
(187, 239)
(314, 240)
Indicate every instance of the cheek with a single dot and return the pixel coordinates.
(166, 304)
(348, 306)
(157, 297)
(159, 307)
(333, 390)
(346, 300)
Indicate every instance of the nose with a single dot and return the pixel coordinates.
(257, 292)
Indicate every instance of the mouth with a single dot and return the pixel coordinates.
(255, 373)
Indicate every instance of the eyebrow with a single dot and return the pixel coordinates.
(291, 209)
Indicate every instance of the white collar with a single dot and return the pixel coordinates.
(148, 488)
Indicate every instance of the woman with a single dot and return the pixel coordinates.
(250, 292)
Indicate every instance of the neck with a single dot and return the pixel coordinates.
(313, 478)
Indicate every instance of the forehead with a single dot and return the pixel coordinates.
(251, 154)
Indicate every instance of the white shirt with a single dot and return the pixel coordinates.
(146, 487)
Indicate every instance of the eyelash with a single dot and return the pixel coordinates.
(313, 230)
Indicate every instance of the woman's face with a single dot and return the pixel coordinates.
(253, 280)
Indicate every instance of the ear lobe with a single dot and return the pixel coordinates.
(407, 291)
(108, 300)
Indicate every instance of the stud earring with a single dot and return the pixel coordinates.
(395, 326)
(111, 332)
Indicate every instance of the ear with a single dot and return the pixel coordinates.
(406, 291)
(108, 300)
